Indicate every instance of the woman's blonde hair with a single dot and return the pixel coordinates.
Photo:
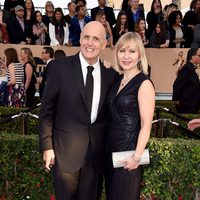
(30, 55)
(126, 40)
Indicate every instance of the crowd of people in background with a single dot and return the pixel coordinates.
(161, 27)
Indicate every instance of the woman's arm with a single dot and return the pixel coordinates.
(29, 73)
(165, 45)
(11, 69)
(37, 31)
(110, 34)
(146, 99)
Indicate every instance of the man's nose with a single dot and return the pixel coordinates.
(90, 41)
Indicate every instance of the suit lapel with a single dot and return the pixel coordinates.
(103, 86)
(78, 76)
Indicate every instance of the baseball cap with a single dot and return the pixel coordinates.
(17, 8)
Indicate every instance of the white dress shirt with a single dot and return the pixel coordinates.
(97, 84)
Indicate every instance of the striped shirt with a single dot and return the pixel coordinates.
(19, 73)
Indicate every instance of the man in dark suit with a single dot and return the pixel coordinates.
(186, 88)
(76, 25)
(18, 29)
(110, 16)
(72, 120)
(47, 56)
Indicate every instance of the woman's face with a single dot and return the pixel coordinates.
(178, 20)
(128, 56)
(28, 4)
(103, 19)
(23, 55)
(142, 25)
(123, 19)
(158, 28)
(197, 6)
(39, 17)
(156, 4)
(58, 16)
(49, 7)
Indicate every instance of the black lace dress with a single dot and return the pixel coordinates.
(122, 135)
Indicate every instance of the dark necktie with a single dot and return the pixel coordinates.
(89, 88)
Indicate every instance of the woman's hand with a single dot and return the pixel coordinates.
(106, 63)
(130, 163)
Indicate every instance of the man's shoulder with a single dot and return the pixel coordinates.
(65, 59)
(95, 9)
(107, 8)
(87, 19)
(109, 72)
(187, 68)
(13, 21)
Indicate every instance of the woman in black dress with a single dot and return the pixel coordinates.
(29, 75)
(131, 106)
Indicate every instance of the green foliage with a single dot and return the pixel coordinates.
(22, 174)
(174, 169)
(16, 126)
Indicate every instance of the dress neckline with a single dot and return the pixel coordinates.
(120, 91)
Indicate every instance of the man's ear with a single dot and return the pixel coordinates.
(104, 44)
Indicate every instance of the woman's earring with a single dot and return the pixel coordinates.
(139, 65)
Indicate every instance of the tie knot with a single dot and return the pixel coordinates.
(90, 69)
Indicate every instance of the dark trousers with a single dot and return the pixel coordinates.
(80, 185)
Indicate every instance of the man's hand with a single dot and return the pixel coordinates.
(49, 158)
(193, 124)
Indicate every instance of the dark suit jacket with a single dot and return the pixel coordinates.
(110, 16)
(64, 119)
(75, 30)
(16, 34)
(186, 89)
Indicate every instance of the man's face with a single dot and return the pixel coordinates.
(20, 14)
(196, 58)
(72, 7)
(135, 3)
(92, 41)
(81, 11)
(102, 2)
(79, 3)
(45, 55)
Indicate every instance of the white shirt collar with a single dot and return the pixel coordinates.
(85, 64)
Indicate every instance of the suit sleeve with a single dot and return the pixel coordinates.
(112, 17)
(48, 107)
(93, 14)
(179, 84)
